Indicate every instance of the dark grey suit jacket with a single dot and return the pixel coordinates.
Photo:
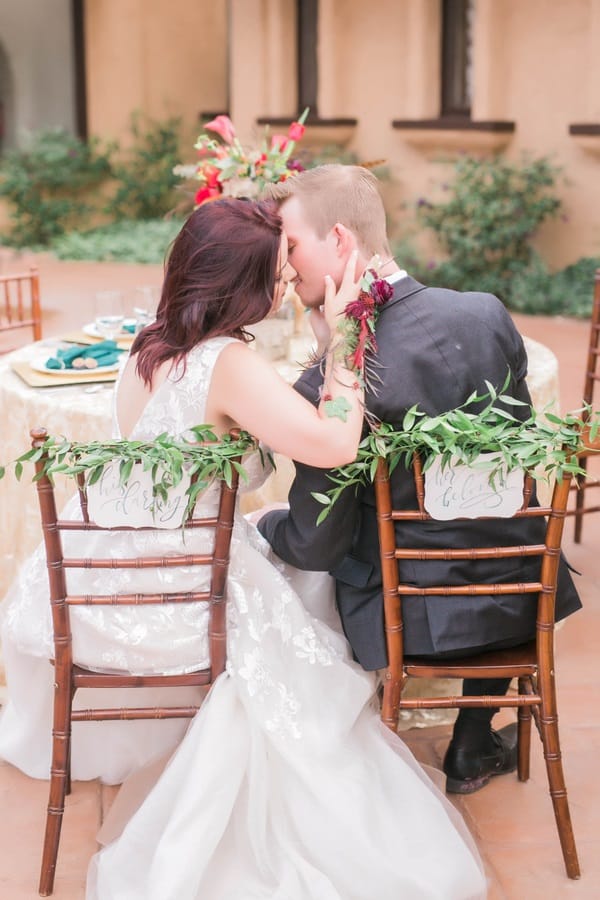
(435, 347)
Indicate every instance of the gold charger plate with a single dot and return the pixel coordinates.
(40, 379)
(80, 337)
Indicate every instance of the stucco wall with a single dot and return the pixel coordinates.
(37, 75)
(536, 63)
(161, 57)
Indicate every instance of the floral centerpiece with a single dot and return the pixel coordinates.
(226, 168)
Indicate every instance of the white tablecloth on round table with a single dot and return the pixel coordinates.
(80, 412)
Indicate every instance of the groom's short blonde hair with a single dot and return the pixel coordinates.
(337, 193)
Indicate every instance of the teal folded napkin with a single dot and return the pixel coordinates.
(130, 328)
(106, 353)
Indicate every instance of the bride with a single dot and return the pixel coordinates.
(286, 785)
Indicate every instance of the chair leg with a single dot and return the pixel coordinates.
(68, 773)
(524, 733)
(579, 502)
(556, 781)
(68, 781)
(59, 779)
(390, 706)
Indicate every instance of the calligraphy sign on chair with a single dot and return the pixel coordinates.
(581, 483)
(20, 309)
(70, 677)
(532, 664)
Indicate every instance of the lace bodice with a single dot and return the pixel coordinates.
(180, 403)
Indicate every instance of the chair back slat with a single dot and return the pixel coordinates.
(137, 562)
(471, 589)
(470, 552)
(74, 525)
(137, 599)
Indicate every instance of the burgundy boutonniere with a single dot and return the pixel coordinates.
(361, 317)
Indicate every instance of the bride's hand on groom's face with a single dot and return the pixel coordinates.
(348, 291)
(320, 328)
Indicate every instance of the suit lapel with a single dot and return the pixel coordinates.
(403, 289)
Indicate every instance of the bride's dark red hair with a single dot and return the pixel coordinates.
(219, 278)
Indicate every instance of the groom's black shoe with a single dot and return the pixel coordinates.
(469, 770)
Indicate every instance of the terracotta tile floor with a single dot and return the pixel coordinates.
(511, 822)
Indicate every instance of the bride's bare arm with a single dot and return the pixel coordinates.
(248, 390)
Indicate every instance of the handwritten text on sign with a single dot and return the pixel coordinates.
(460, 491)
(111, 503)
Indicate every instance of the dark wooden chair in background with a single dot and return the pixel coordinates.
(20, 309)
(70, 677)
(532, 664)
(582, 483)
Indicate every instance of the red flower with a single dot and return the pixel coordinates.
(205, 194)
(223, 126)
(381, 291)
(279, 142)
(360, 308)
(296, 131)
(211, 175)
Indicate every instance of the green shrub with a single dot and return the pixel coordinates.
(568, 292)
(486, 225)
(51, 185)
(124, 241)
(534, 289)
(144, 172)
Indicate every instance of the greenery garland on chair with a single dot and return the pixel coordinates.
(544, 444)
(205, 459)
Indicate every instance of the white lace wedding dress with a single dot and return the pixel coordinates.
(286, 786)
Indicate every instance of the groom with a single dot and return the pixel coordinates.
(435, 347)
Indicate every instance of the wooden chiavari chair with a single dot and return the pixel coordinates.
(532, 664)
(20, 309)
(70, 677)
